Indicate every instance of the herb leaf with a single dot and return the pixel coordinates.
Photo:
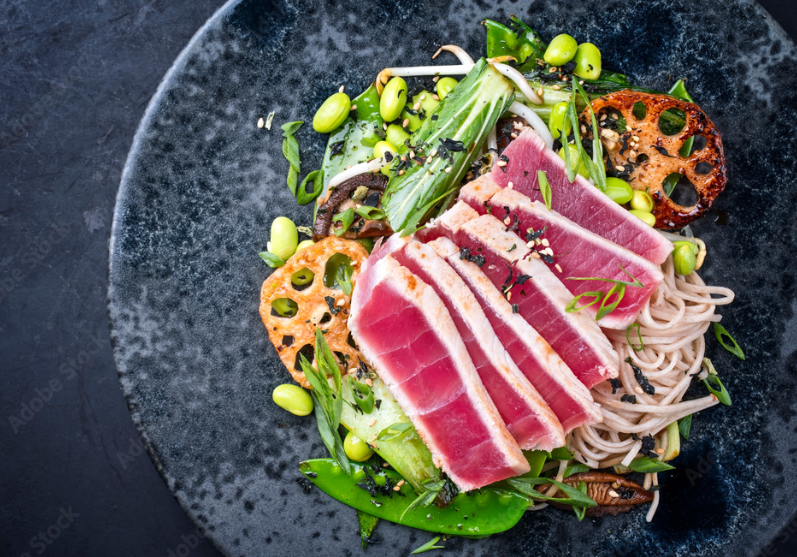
(562, 453)
(647, 465)
(684, 425)
(290, 150)
(580, 511)
(394, 431)
(271, 260)
(371, 213)
(363, 395)
(346, 218)
(303, 197)
(545, 187)
(573, 305)
(576, 469)
(343, 278)
(721, 334)
(639, 334)
(427, 497)
(428, 546)
(574, 496)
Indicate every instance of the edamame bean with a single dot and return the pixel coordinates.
(646, 216)
(332, 113)
(302, 277)
(618, 190)
(444, 86)
(293, 399)
(285, 307)
(396, 135)
(581, 169)
(393, 99)
(380, 149)
(414, 122)
(588, 61)
(427, 102)
(684, 258)
(284, 238)
(692, 246)
(641, 201)
(557, 120)
(356, 449)
(304, 244)
(560, 50)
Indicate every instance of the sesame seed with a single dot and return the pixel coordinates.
(507, 220)
(638, 390)
(603, 117)
(581, 82)
(621, 168)
(369, 381)
(510, 185)
(501, 163)
(540, 92)
(435, 97)
(436, 78)
(384, 126)
(615, 485)
(448, 169)
(552, 70)
(564, 78)
(635, 137)
(423, 96)
(405, 123)
(614, 494)
(583, 128)
(615, 116)
(660, 451)
(513, 135)
(340, 302)
(535, 255)
(401, 172)
(261, 123)
(530, 244)
(342, 88)
(508, 296)
(397, 488)
(353, 107)
(558, 268)
(433, 153)
(555, 87)
(372, 423)
(545, 242)
(417, 106)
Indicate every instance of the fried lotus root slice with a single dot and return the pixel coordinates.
(614, 494)
(704, 168)
(318, 305)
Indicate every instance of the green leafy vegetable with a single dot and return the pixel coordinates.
(271, 260)
(562, 453)
(427, 497)
(732, 347)
(684, 425)
(327, 400)
(639, 334)
(428, 546)
(303, 197)
(581, 511)
(290, 149)
(618, 291)
(545, 187)
(372, 213)
(646, 465)
(343, 276)
(720, 392)
(346, 218)
(413, 225)
(394, 430)
(363, 395)
(576, 469)
(367, 523)
(460, 126)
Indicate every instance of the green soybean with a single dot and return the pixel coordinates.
(444, 86)
(581, 169)
(285, 307)
(379, 151)
(560, 50)
(588, 61)
(284, 238)
(302, 277)
(304, 244)
(684, 259)
(619, 190)
(332, 113)
(413, 120)
(293, 399)
(396, 135)
(557, 120)
(393, 99)
(356, 449)
(427, 102)
(645, 216)
(641, 201)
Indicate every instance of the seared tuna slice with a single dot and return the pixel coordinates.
(572, 251)
(528, 418)
(405, 331)
(581, 202)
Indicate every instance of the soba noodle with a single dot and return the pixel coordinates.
(672, 327)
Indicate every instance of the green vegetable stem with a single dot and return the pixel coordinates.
(371, 490)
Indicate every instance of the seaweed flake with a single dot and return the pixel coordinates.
(628, 398)
(662, 150)
(336, 148)
(616, 384)
(331, 303)
(647, 388)
(648, 444)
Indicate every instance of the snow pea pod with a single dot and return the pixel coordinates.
(481, 513)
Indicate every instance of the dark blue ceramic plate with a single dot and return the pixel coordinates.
(203, 183)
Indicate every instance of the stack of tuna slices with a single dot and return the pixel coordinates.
(465, 321)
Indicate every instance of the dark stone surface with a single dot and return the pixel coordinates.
(77, 81)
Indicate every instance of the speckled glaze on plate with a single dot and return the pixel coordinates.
(203, 183)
